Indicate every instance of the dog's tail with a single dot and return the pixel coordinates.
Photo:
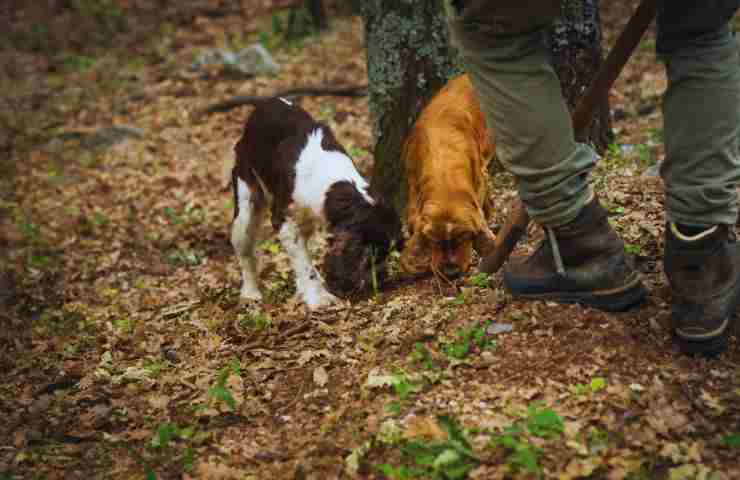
(229, 162)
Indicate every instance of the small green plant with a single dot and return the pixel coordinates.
(29, 230)
(172, 215)
(183, 256)
(124, 324)
(356, 152)
(79, 63)
(521, 454)
(459, 300)
(269, 246)
(38, 261)
(543, 422)
(257, 321)
(403, 386)
(467, 338)
(153, 367)
(166, 432)
(614, 149)
(598, 440)
(648, 44)
(596, 385)
(393, 408)
(164, 438)
(421, 355)
(616, 210)
(220, 393)
(482, 280)
(374, 273)
(448, 459)
(633, 249)
(645, 154)
(732, 441)
(655, 135)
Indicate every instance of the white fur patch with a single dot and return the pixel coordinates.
(317, 169)
(309, 284)
(285, 101)
(244, 232)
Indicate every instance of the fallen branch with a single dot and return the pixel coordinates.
(241, 100)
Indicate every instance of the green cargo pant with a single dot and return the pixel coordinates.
(504, 53)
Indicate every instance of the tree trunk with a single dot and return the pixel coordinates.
(409, 58)
(575, 45)
(318, 13)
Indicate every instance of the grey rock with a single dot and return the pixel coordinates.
(250, 62)
(497, 328)
(652, 171)
(101, 138)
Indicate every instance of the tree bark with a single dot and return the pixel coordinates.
(318, 13)
(409, 58)
(575, 45)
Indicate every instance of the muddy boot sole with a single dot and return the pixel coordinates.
(710, 347)
(706, 348)
(612, 300)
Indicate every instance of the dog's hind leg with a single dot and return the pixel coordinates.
(249, 209)
(309, 284)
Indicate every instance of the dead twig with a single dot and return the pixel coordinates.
(242, 100)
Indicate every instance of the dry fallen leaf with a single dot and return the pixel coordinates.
(320, 376)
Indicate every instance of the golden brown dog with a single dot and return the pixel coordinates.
(446, 157)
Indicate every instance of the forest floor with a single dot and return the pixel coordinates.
(124, 353)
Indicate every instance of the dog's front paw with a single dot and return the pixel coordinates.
(249, 296)
(319, 299)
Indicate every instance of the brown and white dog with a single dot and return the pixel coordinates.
(446, 156)
(287, 161)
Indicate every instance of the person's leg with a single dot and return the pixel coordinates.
(701, 111)
(505, 56)
(519, 92)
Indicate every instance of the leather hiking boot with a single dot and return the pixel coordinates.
(703, 270)
(580, 262)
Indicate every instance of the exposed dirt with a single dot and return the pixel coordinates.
(124, 353)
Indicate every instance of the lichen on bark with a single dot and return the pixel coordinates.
(409, 58)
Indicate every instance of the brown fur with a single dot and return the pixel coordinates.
(446, 157)
(273, 138)
(360, 232)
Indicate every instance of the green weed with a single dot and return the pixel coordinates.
(596, 385)
(467, 338)
(732, 441)
(403, 386)
(256, 321)
(77, 63)
(421, 355)
(269, 246)
(184, 257)
(220, 393)
(482, 280)
(521, 454)
(449, 459)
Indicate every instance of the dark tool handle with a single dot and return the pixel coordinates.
(507, 238)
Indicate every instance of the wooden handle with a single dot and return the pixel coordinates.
(514, 228)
